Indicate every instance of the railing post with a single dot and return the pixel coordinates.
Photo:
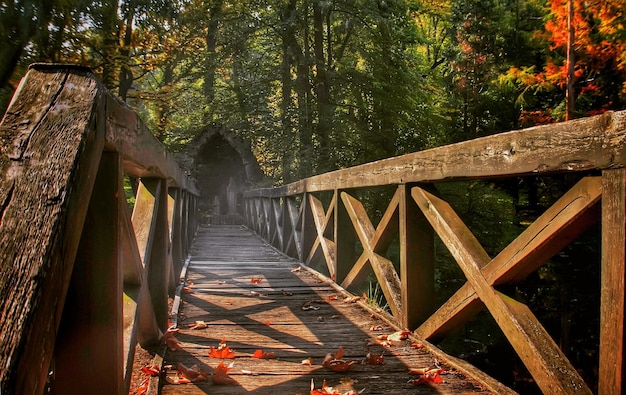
(151, 227)
(417, 261)
(613, 270)
(88, 354)
(345, 239)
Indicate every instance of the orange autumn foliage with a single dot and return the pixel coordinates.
(222, 351)
(260, 354)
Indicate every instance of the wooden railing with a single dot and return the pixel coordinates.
(294, 219)
(82, 281)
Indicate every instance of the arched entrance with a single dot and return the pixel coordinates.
(223, 166)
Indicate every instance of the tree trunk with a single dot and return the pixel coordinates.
(215, 14)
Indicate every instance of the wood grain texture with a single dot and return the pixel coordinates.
(542, 357)
(613, 287)
(583, 144)
(50, 149)
(269, 316)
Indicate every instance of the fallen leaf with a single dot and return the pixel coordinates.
(151, 370)
(417, 346)
(352, 299)
(286, 293)
(376, 328)
(194, 373)
(169, 339)
(374, 359)
(259, 354)
(188, 290)
(177, 380)
(336, 363)
(222, 351)
(307, 362)
(428, 378)
(256, 280)
(221, 377)
(296, 270)
(268, 323)
(259, 294)
(228, 302)
(332, 297)
(197, 325)
(143, 386)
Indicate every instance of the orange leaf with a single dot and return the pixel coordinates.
(259, 354)
(418, 346)
(332, 297)
(256, 280)
(187, 290)
(221, 377)
(308, 362)
(336, 364)
(143, 387)
(222, 351)
(268, 323)
(432, 376)
(151, 370)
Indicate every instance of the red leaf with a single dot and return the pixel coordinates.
(222, 351)
(259, 354)
(221, 377)
(336, 364)
(431, 376)
(256, 280)
(169, 339)
(187, 290)
(151, 370)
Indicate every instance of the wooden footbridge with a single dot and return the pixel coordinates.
(86, 283)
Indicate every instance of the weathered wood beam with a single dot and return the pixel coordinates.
(384, 269)
(557, 227)
(417, 261)
(542, 357)
(321, 219)
(89, 347)
(587, 143)
(613, 287)
(385, 231)
(51, 140)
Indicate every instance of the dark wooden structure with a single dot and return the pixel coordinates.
(255, 298)
(295, 220)
(82, 279)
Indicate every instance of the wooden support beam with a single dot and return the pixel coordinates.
(322, 219)
(545, 361)
(417, 262)
(372, 240)
(345, 239)
(613, 289)
(557, 227)
(89, 348)
(50, 146)
(151, 227)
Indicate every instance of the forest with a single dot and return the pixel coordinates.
(319, 85)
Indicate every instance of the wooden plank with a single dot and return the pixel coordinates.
(345, 239)
(545, 361)
(91, 327)
(570, 216)
(582, 144)
(613, 292)
(277, 323)
(53, 133)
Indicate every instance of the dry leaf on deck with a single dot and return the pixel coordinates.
(221, 377)
(222, 351)
(259, 354)
(194, 373)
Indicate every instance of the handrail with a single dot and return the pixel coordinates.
(294, 219)
(75, 262)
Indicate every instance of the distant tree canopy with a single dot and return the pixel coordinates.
(323, 84)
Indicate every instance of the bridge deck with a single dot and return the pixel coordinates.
(291, 313)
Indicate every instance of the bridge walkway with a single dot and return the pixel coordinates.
(251, 297)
